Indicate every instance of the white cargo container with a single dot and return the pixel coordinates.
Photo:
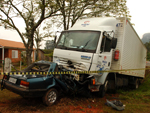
(104, 43)
(132, 51)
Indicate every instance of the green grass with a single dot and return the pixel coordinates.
(49, 55)
(142, 93)
(136, 101)
(18, 68)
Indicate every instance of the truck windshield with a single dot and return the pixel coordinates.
(79, 40)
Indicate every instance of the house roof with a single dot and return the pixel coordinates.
(41, 50)
(11, 44)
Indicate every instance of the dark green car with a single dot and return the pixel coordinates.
(47, 86)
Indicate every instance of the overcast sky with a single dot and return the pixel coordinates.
(139, 10)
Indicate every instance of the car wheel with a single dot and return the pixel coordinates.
(50, 97)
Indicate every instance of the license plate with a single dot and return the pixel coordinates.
(12, 80)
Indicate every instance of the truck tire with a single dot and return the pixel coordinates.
(112, 83)
(136, 84)
(103, 89)
(50, 97)
(112, 86)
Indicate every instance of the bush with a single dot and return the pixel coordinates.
(48, 51)
(148, 55)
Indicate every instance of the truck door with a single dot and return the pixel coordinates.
(105, 55)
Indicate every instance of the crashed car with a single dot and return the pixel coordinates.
(39, 80)
(45, 85)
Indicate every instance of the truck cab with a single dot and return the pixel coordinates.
(87, 46)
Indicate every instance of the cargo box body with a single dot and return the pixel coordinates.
(132, 52)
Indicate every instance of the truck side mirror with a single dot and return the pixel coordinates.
(113, 43)
(55, 39)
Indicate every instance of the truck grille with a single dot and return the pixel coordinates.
(78, 66)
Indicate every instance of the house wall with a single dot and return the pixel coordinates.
(33, 56)
(8, 54)
(41, 55)
(14, 60)
(5, 53)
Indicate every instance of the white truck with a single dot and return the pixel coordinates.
(103, 43)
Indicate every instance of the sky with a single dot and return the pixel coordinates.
(139, 10)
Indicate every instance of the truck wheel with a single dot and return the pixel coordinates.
(112, 83)
(112, 86)
(50, 97)
(136, 84)
(103, 89)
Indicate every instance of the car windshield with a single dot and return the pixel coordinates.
(79, 40)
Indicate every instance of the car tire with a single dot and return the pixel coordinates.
(50, 97)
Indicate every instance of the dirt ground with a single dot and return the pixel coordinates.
(13, 103)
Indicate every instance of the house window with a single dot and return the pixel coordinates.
(14, 54)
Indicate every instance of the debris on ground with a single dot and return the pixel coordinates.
(89, 106)
(116, 104)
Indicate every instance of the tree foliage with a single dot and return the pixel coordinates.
(72, 10)
(32, 12)
(65, 13)
(39, 37)
(147, 45)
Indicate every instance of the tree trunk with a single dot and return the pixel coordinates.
(29, 48)
(37, 53)
(29, 58)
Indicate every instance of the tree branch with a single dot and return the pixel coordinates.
(18, 11)
(7, 16)
(42, 15)
(13, 26)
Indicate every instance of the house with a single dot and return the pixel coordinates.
(40, 55)
(13, 50)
